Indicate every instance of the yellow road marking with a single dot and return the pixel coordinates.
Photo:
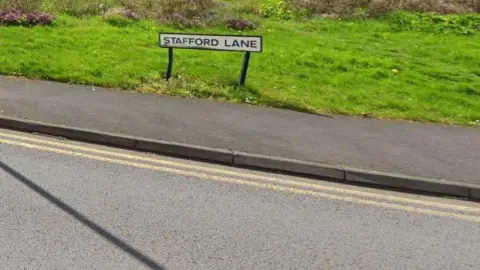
(470, 218)
(251, 176)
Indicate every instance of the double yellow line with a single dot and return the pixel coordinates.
(450, 209)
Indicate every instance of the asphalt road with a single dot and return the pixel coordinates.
(68, 205)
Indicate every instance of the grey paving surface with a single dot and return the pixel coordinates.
(426, 150)
(191, 223)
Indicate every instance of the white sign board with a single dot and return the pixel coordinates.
(211, 42)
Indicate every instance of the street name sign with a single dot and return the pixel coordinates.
(212, 42)
(233, 43)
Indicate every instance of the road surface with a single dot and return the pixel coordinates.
(416, 149)
(69, 205)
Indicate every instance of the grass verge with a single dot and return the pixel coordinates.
(361, 67)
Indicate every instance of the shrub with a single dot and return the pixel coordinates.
(438, 6)
(78, 7)
(238, 8)
(127, 13)
(434, 23)
(120, 17)
(183, 12)
(118, 20)
(282, 9)
(20, 17)
(202, 12)
(341, 7)
(237, 24)
(287, 9)
(26, 5)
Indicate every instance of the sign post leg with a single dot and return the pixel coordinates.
(243, 73)
(170, 64)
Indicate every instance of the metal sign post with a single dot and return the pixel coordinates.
(243, 72)
(168, 74)
(233, 43)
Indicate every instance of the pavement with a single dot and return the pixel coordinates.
(422, 150)
(72, 205)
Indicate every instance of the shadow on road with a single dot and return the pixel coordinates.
(83, 219)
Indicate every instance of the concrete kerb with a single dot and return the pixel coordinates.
(437, 186)
(128, 142)
(68, 132)
(185, 150)
(241, 159)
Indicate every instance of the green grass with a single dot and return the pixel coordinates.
(321, 66)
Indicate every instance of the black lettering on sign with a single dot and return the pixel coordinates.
(229, 43)
(245, 43)
(241, 43)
